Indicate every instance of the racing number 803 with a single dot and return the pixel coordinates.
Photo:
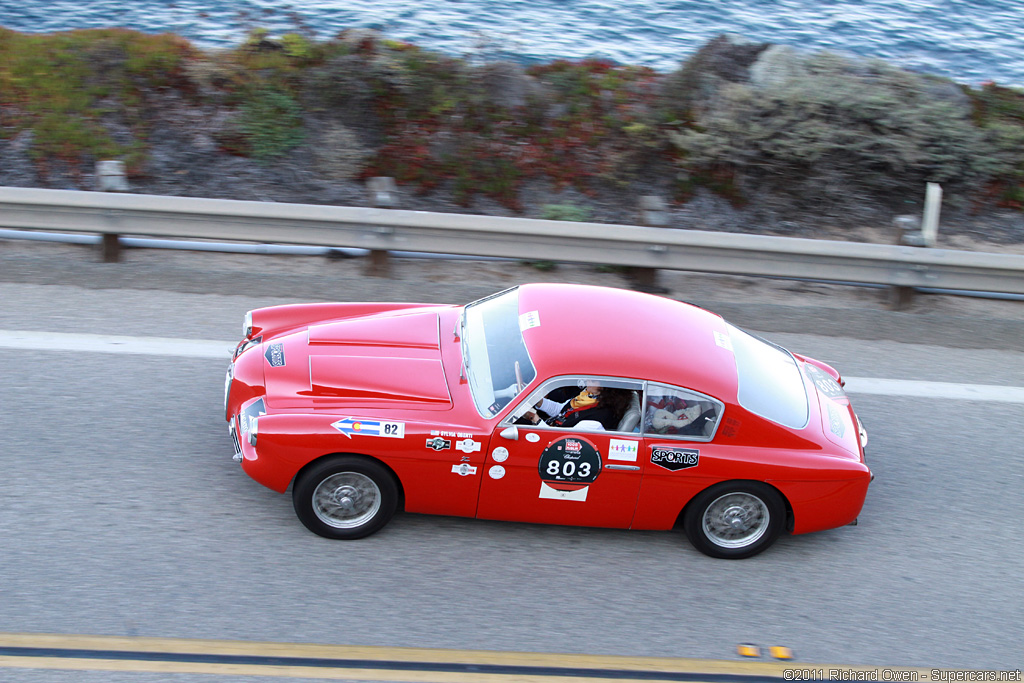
(568, 469)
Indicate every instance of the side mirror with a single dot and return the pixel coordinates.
(510, 433)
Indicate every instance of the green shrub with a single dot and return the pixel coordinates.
(565, 212)
(271, 122)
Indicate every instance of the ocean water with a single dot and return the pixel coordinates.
(971, 41)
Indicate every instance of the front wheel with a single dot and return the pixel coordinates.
(345, 497)
(734, 520)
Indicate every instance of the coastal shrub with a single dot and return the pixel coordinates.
(271, 123)
(65, 86)
(863, 125)
(999, 113)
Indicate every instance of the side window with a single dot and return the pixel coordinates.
(584, 404)
(675, 412)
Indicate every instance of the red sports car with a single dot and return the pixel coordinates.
(559, 404)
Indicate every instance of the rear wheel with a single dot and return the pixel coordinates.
(734, 520)
(345, 497)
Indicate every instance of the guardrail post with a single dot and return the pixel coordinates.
(383, 195)
(914, 232)
(653, 213)
(111, 247)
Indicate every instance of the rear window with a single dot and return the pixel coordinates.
(770, 383)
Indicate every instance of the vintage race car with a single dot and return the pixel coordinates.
(368, 408)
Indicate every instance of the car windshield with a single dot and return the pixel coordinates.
(494, 352)
(770, 384)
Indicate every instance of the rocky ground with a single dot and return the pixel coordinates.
(184, 161)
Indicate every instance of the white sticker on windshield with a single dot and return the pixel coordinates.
(528, 320)
(723, 340)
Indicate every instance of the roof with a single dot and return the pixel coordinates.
(605, 331)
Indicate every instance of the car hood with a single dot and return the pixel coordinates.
(389, 360)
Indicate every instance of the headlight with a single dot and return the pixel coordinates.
(227, 389)
(254, 425)
(247, 325)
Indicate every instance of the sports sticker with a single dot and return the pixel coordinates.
(468, 445)
(723, 340)
(572, 460)
(675, 459)
(528, 320)
(622, 449)
(439, 444)
(275, 355)
(496, 472)
(464, 469)
(499, 454)
(354, 425)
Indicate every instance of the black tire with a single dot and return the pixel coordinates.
(735, 519)
(345, 497)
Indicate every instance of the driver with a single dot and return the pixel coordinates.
(605, 405)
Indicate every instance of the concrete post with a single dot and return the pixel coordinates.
(383, 195)
(912, 232)
(653, 213)
(930, 220)
(110, 177)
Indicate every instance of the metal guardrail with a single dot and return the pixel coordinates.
(397, 230)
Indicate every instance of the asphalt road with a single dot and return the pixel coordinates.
(121, 513)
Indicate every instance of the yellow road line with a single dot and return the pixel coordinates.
(417, 665)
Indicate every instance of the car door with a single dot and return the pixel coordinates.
(678, 456)
(576, 476)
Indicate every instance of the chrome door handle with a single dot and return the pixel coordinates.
(623, 467)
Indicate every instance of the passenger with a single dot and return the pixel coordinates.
(605, 405)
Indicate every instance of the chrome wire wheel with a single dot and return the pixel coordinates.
(735, 520)
(346, 500)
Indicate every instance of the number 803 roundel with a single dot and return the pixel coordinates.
(573, 460)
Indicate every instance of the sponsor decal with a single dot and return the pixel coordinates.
(570, 460)
(723, 340)
(275, 355)
(468, 445)
(499, 454)
(552, 493)
(254, 410)
(439, 444)
(835, 420)
(533, 438)
(496, 472)
(451, 435)
(355, 425)
(464, 469)
(528, 320)
(622, 449)
(675, 459)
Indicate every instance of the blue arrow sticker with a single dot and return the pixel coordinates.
(356, 425)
